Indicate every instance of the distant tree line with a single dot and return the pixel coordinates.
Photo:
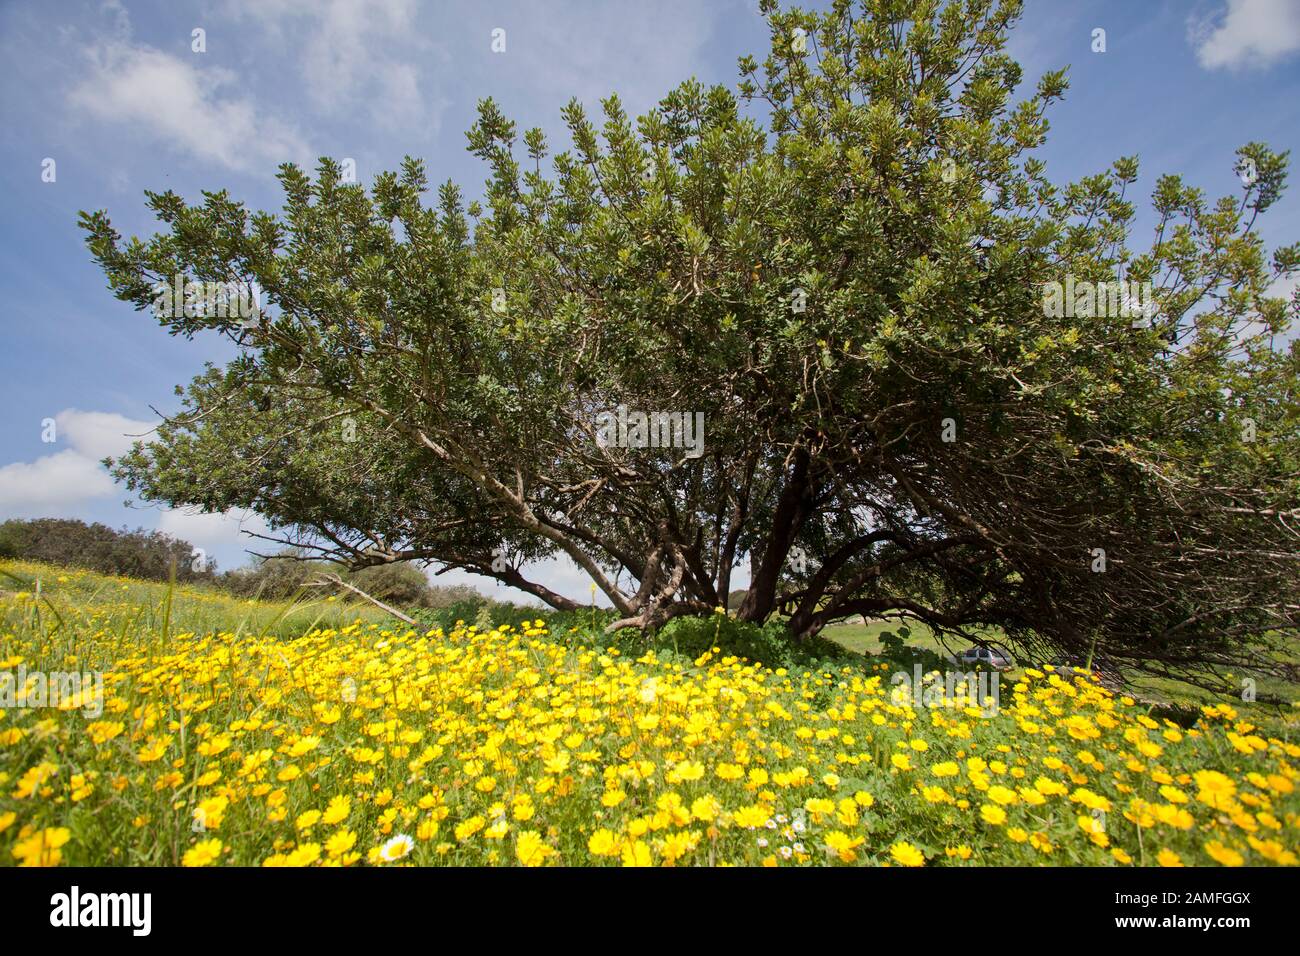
(97, 547)
(150, 555)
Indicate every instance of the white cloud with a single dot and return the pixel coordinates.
(52, 483)
(639, 50)
(121, 19)
(563, 576)
(216, 533)
(58, 482)
(1283, 287)
(560, 574)
(65, 483)
(1249, 33)
(352, 54)
(483, 585)
(98, 435)
(181, 106)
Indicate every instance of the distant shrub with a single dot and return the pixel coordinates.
(474, 608)
(279, 576)
(401, 585)
(273, 578)
(445, 595)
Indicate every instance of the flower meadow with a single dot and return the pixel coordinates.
(368, 743)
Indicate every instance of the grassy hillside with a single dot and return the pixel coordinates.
(85, 599)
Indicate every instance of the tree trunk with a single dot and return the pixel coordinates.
(789, 513)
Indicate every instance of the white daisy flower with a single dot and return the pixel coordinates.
(396, 848)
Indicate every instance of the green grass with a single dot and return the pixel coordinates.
(865, 638)
(132, 606)
(1175, 695)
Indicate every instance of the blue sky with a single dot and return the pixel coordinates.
(114, 93)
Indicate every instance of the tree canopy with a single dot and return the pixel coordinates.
(841, 267)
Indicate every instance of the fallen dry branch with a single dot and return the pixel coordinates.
(327, 579)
